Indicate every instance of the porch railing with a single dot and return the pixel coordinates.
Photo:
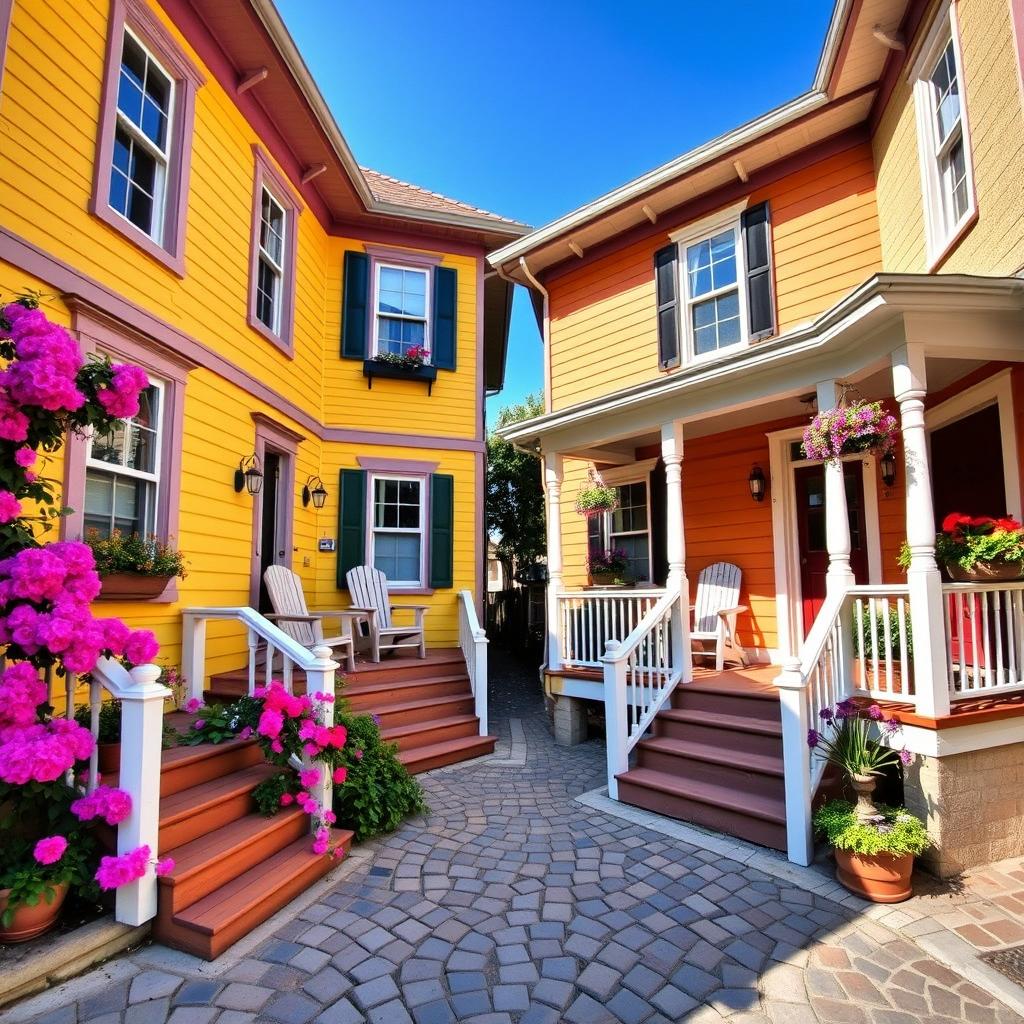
(316, 664)
(640, 673)
(588, 619)
(984, 638)
(473, 641)
(142, 708)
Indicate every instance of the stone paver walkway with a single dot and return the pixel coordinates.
(511, 903)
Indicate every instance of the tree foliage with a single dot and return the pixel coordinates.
(515, 497)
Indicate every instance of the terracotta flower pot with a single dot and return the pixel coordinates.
(986, 572)
(31, 921)
(132, 586)
(108, 757)
(602, 579)
(864, 668)
(881, 878)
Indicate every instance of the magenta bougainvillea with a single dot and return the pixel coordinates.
(47, 389)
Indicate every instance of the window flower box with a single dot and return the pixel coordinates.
(392, 371)
(132, 586)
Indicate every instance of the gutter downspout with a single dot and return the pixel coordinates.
(545, 331)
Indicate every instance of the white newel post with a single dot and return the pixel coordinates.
(479, 656)
(553, 492)
(615, 714)
(837, 519)
(142, 723)
(320, 679)
(193, 653)
(796, 762)
(675, 544)
(927, 621)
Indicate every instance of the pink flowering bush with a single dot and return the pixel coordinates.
(859, 427)
(47, 389)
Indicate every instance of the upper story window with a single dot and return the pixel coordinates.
(397, 538)
(275, 221)
(713, 293)
(943, 136)
(402, 309)
(143, 158)
(138, 176)
(122, 471)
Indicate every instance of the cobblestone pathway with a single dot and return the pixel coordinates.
(513, 903)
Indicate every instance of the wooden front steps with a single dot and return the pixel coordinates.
(425, 706)
(233, 868)
(714, 758)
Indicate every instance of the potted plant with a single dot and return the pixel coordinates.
(977, 549)
(108, 735)
(874, 846)
(596, 498)
(408, 365)
(848, 429)
(874, 645)
(606, 567)
(134, 568)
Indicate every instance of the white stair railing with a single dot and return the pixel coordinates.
(316, 664)
(473, 641)
(640, 673)
(588, 619)
(984, 638)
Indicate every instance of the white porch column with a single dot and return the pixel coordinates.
(837, 519)
(553, 493)
(675, 542)
(927, 621)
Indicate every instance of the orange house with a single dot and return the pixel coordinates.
(861, 242)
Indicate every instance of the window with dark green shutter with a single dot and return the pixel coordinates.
(444, 325)
(666, 285)
(355, 302)
(757, 251)
(351, 522)
(442, 529)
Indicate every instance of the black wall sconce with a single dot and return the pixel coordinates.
(758, 484)
(249, 476)
(889, 469)
(314, 491)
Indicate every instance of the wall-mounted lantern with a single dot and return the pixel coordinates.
(314, 491)
(889, 468)
(249, 476)
(757, 483)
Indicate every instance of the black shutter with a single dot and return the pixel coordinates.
(443, 328)
(442, 528)
(351, 522)
(355, 301)
(666, 288)
(659, 526)
(757, 250)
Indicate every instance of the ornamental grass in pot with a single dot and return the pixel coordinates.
(874, 846)
(134, 568)
(977, 549)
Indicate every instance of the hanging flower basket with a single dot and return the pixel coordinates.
(849, 429)
(596, 498)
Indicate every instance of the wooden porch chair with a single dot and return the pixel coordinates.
(284, 588)
(714, 614)
(369, 590)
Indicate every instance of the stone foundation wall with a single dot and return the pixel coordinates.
(972, 804)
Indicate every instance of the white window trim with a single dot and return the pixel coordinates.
(162, 157)
(938, 236)
(427, 297)
(636, 475)
(374, 529)
(138, 474)
(280, 269)
(698, 232)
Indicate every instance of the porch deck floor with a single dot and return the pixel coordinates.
(752, 679)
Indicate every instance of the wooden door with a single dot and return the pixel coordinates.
(810, 511)
(271, 552)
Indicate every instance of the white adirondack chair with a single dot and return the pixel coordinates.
(369, 590)
(305, 627)
(714, 614)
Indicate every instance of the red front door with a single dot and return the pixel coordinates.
(810, 510)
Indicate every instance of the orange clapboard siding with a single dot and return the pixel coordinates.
(825, 242)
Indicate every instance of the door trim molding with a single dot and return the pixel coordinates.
(785, 534)
(283, 442)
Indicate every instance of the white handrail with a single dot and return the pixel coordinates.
(473, 641)
(640, 674)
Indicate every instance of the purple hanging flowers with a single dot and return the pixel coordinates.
(847, 429)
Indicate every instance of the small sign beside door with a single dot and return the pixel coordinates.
(325, 544)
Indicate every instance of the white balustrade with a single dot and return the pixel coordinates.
(588, 619)
(882, 642)
(984, 638)
(640, 673)
(473, 641)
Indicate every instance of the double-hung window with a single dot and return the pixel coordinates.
(943, 136)
(142, 139)
(122, 471)
(270, 269)
(402, 310)
(713, 301)
(397, 538)
(627, 529)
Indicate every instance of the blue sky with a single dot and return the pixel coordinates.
(531, 109)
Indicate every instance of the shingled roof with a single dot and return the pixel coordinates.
(392, 190)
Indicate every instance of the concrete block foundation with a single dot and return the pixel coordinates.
(570, 720)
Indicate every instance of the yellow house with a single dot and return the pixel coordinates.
(862, 241)
(174, 187)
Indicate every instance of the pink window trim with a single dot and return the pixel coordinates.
(408, 467)
(399, 258)
(6, 10)
(266, 174)
(414, 470)
(137, 16)
(97, 330)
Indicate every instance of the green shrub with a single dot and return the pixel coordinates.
(110, 724)
(893, 830)
(378, 793)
